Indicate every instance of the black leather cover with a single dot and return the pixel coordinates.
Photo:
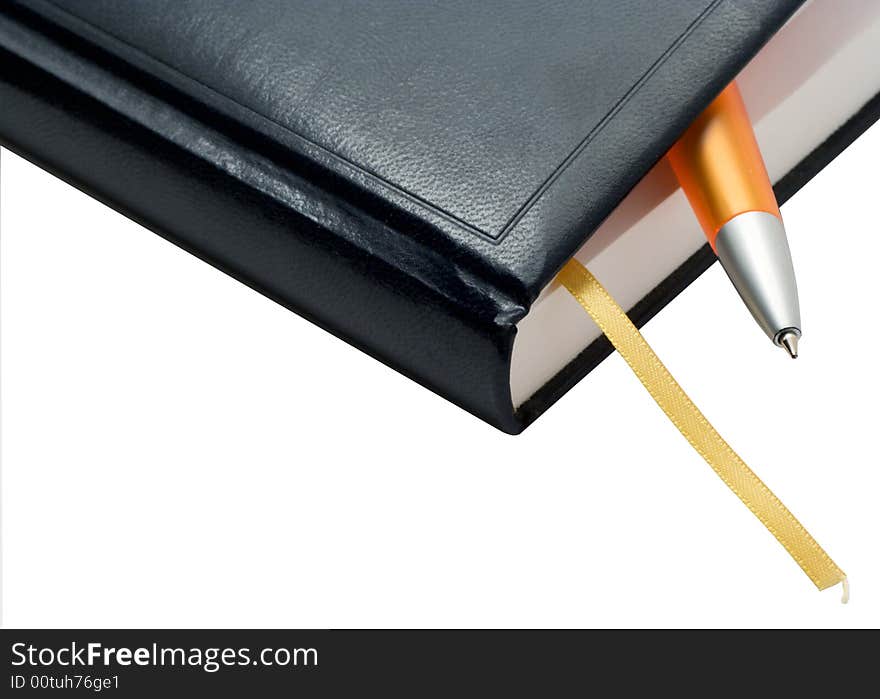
(407, 175)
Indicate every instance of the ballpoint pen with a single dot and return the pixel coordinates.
(720, 168)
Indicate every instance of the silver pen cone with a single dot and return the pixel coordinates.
(753, 250)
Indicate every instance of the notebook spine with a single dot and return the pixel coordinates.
(270, 230)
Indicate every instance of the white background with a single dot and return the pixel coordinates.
(179, 451)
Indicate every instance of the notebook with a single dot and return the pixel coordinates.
(412, 176)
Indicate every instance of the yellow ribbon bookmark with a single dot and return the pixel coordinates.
(680, 409)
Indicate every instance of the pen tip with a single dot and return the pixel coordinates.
(789, 342)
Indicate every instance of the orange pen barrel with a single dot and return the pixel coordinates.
(719, 165)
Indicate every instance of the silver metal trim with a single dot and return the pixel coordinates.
(753, 250)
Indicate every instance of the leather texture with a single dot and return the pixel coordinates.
(408, 175)
(468, 108)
